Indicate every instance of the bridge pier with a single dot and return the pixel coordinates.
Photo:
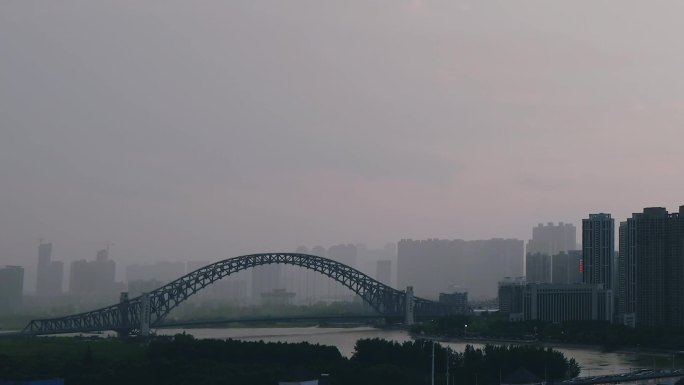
(408, 316)
(145, 315)
(124, 330)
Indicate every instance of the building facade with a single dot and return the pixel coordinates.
(560, 303)
(549, 241)
(456, 301)
(552, 239)
(11, 289)
(598, 249)
(50, 274)
(383, 272)
(511, 293)
(538, 268)
(651, 271)
(436, 266)
(523, 301)
(93, 279)
(567, 267)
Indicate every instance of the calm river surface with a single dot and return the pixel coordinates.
(592, 361)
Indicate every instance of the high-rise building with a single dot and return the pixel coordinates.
(651, 263)
(552, 239)
(49, 273)
(567, 267)
(598, 249)
(626, 283)
(548, 241)
(11, 288)
(44, 253)
(538, 268)
(93, 279)
(436, 266)
(511, 298)
(383, 272)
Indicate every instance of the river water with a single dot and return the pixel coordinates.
(593, 362)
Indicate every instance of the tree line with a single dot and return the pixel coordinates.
(182, 359)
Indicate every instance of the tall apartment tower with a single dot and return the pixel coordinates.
(651, 268)
(93, 279)
(383, 272)
(598, 249)
(50, 273)
(435, 266)
(11, 288)
(548, 241)
(626, 279)
(552, 239)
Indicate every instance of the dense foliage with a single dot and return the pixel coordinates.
(184, 360)
(488, 365)
(610, 336)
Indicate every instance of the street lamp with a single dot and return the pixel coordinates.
(448, 352)
(432, 382)
(465, 331)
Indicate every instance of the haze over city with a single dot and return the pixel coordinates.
(303, 192)
(205, 130)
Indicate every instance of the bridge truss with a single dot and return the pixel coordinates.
(137, 315)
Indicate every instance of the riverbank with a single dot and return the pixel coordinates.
(592, 357)
(182, 358)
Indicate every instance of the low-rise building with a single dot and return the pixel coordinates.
(511, 297)
(555, 302)
(456, 301)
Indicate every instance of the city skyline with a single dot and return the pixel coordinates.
(341, 192)
(126, 262)
(255, 129)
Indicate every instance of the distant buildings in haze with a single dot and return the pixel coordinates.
(383, 272)
(50, 274)
(94, 279)
(644, 284)
(552, 239)
(435, 266)
(11, 289)
(550, 244)
(557, 286)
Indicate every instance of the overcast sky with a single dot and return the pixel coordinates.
(201, 130)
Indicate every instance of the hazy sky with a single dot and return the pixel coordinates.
(207, 129)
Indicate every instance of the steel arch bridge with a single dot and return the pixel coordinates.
(137, 315)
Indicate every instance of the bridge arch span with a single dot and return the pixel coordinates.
(128, 315)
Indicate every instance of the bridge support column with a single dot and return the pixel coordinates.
(408, 315)
(145, 312)
(124, 327)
